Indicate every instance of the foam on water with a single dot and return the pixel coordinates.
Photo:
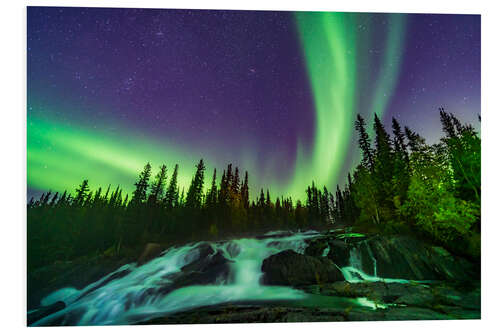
(134, 293)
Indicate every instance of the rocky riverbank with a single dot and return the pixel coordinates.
(336, 277)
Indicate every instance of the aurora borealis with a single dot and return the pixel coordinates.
(275, 93)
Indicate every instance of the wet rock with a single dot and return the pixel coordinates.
(77, 274)
(233, 249)
(339, 253)
(448, 295)
(458, 312)
(365, 315)
(212, 268)
(114, 276)
(416, 299)
(316, 247)
(248, 314)
(44, 311)
(414, 313)
(291, 268)
(151, 251)
(408, 258)
(375, 291)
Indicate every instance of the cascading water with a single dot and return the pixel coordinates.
(133, 293)
(136, 293)
(354, 273)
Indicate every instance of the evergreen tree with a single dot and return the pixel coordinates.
(364, 143)
(158, 185)
(235, 186)
(415, 141)
(400, 146)
(141, 186)
(244, 192)
(194, 195)
(54, 199)
(212, 192)
(261, 200)
(172, 195)
(464, 155)
(81, 193)
(401, 174)
(325, 207)
(383, 171)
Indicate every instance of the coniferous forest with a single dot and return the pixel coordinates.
(402, 185)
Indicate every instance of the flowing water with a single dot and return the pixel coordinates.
(354, 272)
(135, 293)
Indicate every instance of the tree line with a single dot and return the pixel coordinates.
(63, 227)
(402, 185)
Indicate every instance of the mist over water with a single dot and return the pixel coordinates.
(135, 293)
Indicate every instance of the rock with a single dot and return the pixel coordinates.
(448, 295)
(248, 314)
(365, 315)
(376, 291)
(316, 247)
(403, 257)
(77, 274)
(44, 311)
(413, 313)
(207, 270)
(458, 312)
(420, 299)
(291, 268)
(210, 268)
(151, 251)
(339, 253)
(114, 276)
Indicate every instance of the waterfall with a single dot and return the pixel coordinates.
(136, 293)
(354, 271)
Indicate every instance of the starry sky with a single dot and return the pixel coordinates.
(275, 93)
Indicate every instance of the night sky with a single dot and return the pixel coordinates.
(275, 93)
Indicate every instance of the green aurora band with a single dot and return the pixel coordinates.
(333, 57)
(60, 156)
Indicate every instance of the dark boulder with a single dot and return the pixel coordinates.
(211, 267)
(290, 268)
(206, 270)
(316, 247)
(339, 252)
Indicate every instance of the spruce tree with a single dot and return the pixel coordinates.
(81, 193)
(194, 195)
(383, 171)
(415, 141)
(364, 143)
(141, 186)
(158, 185)
(235, 186)
(401, 173)
(172, 195)
(212, 192)
(245, 192)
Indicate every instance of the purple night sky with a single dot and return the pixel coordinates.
(219, 82)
